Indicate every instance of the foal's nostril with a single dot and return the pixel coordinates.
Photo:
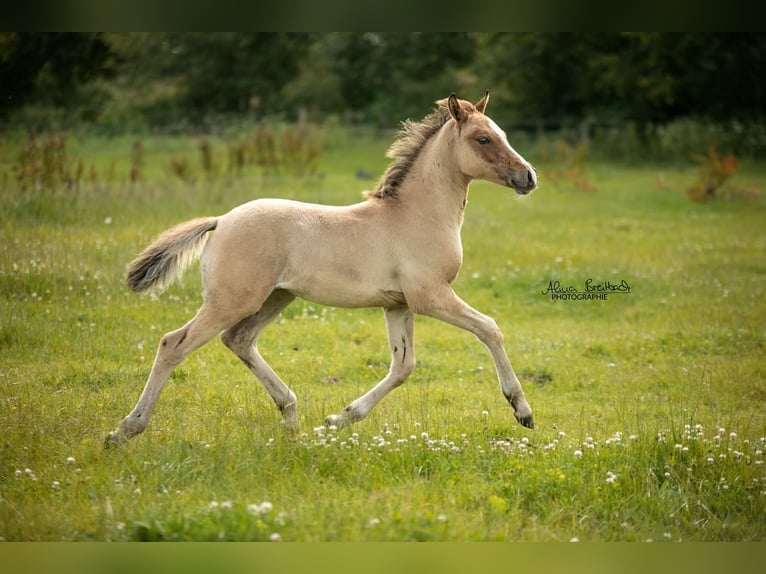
(531, 178)
(526, 182)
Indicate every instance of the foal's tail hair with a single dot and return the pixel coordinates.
(165, 259)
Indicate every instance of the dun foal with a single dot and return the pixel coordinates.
(399, 249)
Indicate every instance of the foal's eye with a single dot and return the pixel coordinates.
(482, 140)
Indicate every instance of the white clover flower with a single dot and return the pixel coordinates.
(373, 522)
(70, 459)
(578, 453)
(258, 509)
(275, 537)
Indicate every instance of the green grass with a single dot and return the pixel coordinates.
(649, 406)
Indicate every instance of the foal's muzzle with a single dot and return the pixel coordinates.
(523, 181)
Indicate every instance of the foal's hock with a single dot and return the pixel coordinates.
(399, 249)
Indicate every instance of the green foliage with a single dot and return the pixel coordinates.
(641, 77)
(186, 81)
(45, 165)
(565, 163)
(52, 69)
(291, 150)
(714, 171)
(136, 161)
(271, 149)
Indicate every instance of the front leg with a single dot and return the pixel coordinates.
(445, 305)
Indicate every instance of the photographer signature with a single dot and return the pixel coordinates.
(590, 286)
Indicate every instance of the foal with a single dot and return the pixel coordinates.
(399, 249)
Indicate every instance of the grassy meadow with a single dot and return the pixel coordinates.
(649, 406)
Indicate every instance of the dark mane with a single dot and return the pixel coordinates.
(405, 150)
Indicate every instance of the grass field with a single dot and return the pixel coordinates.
(649, 406)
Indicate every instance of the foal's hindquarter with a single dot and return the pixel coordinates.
(400, 254)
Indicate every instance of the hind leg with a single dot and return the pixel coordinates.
(173, 349)
(241, 339)
(400, 328)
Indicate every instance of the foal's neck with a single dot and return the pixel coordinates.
(435, 185)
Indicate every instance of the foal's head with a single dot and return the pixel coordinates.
(483, 151)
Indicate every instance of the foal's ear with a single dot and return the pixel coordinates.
(481, 105)
(454, 108)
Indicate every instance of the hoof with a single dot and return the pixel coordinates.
(333, 421)
(291, 427)
(112, 440)
(526, 422)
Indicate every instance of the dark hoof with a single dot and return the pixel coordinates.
(526, 422)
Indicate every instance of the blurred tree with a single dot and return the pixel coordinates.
(316, 87)
(234, 72)
(641, 77)
(50, 68)
(393, 75)
(194, 78)
(213, 73)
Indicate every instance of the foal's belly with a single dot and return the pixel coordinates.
(343, 296)
(343, 288)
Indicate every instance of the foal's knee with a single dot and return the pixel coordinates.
(408, 365)
(402, 369)
(490, 334)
